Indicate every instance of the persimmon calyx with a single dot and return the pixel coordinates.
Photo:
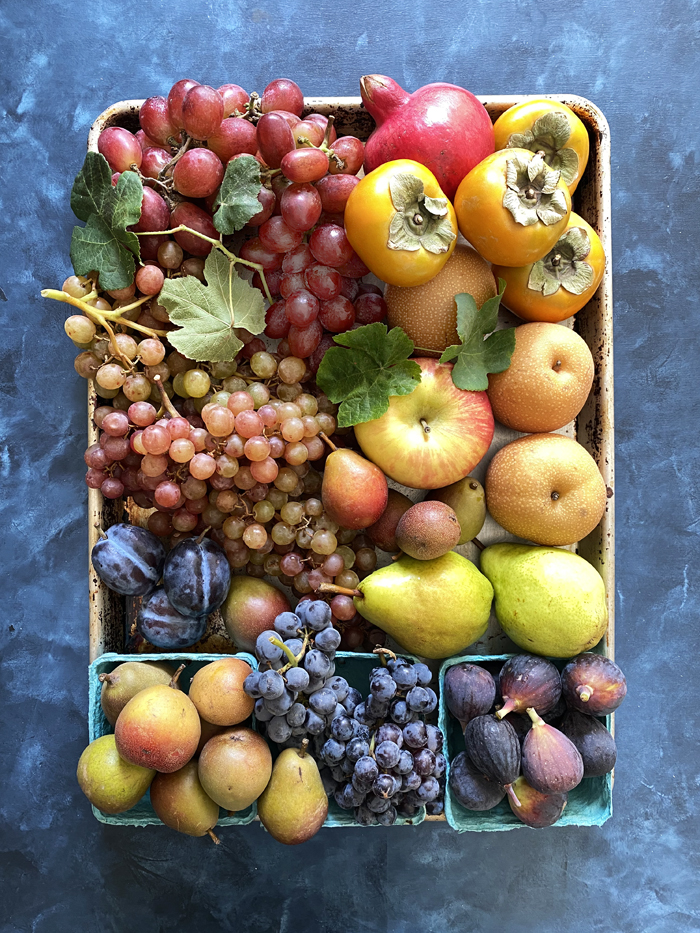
(418, 220)
(564, 266)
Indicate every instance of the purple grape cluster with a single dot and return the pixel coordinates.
(383, 760)
(295, 689)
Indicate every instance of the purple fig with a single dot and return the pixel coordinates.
(551, 763)
(593, 684)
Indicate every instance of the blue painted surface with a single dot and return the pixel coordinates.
(60, 65)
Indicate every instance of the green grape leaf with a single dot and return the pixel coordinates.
(237, 200)
(475, 357)
(104, 244)
(369, 365)
(207, 315)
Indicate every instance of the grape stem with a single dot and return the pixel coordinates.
(288, 651)
(342, 590)
(183, 228)
(99, 317)
(383, 652)
(167, 404)
(297, 657)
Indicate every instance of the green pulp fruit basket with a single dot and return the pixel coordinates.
(589, 804)
(356, 668)
(143, 813)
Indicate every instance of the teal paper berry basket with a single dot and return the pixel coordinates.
(356, 668)
(143, 813)
(589, 804)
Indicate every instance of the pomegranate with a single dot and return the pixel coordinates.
(440, 125)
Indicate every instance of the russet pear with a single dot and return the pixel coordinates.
(545, 488)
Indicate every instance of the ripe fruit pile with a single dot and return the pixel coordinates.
(233, 408)
(520, 736)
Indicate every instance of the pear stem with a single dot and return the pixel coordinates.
(174, 679)
(334, 588)
(212, 835)
(327, 440)
(106, 678)
(534, 716)
(511, 794)
(302, 751)
(507, 707)
(478, 544)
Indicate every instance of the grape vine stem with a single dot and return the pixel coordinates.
(183, 228)
(102, 317)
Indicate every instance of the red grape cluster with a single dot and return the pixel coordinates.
(184, 144)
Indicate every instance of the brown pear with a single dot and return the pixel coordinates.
(159, 728)
(428, 313)
(182, 804)
(217, 692)
(126, 680)
(234, 767)
(548, 380)
(545, 488)
(383, 531)
(428, 530)
(354, 490)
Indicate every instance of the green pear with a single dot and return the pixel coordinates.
(433, 608)
(294, 805)
(548, 600)
(107, 780)
(467, 498)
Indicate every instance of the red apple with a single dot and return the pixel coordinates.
(433, 437)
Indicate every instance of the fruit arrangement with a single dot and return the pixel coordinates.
(283, 323)
(531, 732)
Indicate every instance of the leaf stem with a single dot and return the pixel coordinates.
(183, 228)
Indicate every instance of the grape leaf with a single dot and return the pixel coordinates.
(207, 314)
(476, 357)
(104, 244)
(237, 200)
(362, 377)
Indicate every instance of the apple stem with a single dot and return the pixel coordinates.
(327, 440)
(342, 590)
(478, 544)
(426, 426)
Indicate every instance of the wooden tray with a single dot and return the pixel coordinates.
(593, 428)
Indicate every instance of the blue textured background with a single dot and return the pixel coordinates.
(61, 64)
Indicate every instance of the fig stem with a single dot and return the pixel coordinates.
(534, 716)
(507, 707)
(212, 835)
(342, 590)
(167, 404)
(584, 692)
(478, 544)
(176, 676)
(327, 440)
(511, 794)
